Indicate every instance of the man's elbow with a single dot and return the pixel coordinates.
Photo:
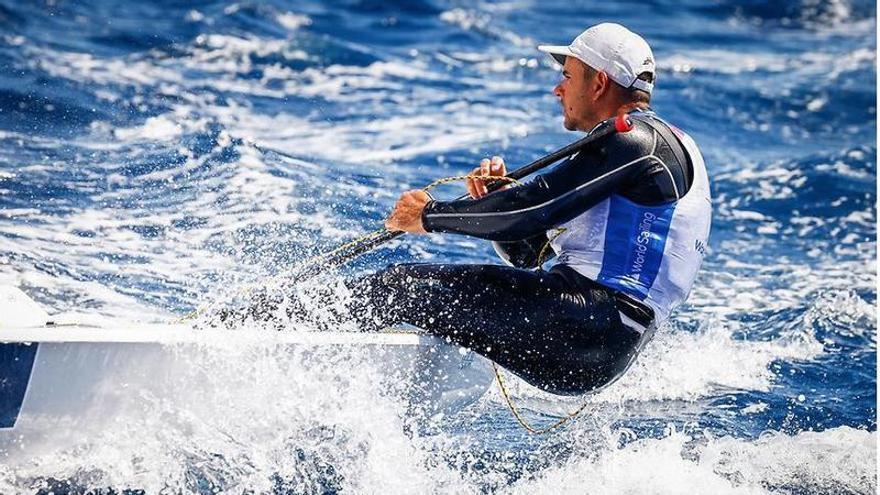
(519, 254)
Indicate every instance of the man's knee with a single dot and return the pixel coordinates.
(392, 276)
(386, 287)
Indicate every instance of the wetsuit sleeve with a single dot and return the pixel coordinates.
(556, 197)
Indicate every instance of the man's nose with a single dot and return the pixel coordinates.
(558, 90)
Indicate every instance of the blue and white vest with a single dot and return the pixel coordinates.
(651, 253)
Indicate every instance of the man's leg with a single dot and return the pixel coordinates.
(558, 337)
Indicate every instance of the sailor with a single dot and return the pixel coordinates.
(628, 221)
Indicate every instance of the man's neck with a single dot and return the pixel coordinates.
(617, 110)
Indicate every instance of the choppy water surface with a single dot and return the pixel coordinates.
(152, 155)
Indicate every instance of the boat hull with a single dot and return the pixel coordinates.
(64, 381)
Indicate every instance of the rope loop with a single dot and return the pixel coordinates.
(446, 180)
(522, 421)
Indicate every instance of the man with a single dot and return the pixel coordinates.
(634, 212)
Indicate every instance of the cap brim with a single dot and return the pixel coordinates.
(557, 52)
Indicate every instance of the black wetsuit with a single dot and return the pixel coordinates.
(558, 330)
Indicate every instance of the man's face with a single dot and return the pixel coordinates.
(575, 94)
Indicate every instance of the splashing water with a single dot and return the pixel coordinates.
(157, 157)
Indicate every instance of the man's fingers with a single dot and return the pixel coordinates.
(489, 167)
(410, 215)
(485, 163)
(416, 197)
(485, 170)
(480, 188)
(497, 166)
(471, 189)
(472, 183)
(406, 215)
(391, 221)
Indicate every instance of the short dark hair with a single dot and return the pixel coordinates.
(638, 95)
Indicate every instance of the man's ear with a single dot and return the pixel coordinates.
(601, 85)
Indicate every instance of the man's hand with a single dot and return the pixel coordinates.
(488, 168)
(407, 213)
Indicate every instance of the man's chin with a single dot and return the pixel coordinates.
(569, 125)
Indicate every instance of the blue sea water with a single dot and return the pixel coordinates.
(154, 155)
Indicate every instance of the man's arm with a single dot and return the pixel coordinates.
(646, 165)
(550, 199)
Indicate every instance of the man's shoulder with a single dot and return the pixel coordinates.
(655, 121)
(637, 142)
(617, 147)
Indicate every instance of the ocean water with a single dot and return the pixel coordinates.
(156, 156)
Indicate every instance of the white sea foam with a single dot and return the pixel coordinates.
(823, 65)
(837, 460)
(292, 21)
(680, 365)
(481, 22)
(684, 366)
(157, 128)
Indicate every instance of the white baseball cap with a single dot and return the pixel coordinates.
(612, 49)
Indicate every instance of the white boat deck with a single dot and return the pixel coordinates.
(186, 334)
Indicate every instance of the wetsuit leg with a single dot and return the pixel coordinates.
(560, 335)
